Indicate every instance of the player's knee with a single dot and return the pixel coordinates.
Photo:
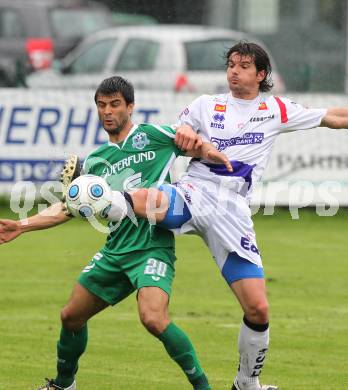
(70, 321)
(258, 311)
(153, 322)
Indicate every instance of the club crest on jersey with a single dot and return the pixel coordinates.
(139, 141)
(220, 107)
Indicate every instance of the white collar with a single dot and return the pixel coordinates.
(131, 131)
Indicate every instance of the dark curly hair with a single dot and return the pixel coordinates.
(115, 84)
(260, 58)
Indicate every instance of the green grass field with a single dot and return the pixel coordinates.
(306, 264)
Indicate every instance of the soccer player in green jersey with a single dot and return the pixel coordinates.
(136, 257)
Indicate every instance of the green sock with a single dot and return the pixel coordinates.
(70, 347)
(180, 349)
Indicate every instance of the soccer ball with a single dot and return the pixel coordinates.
(88, 196)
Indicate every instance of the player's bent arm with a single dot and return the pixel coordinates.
(335, 118)
(52, 216)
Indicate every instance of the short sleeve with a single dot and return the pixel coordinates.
(166, 131)
(164, 136)
(191, 115)
(294, 116)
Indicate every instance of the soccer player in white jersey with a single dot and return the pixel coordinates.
(214, 203)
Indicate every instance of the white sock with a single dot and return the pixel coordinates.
(252, 347)
(118, 209)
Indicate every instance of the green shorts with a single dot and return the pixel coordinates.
(114, 278)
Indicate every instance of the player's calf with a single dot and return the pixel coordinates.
(253, 343)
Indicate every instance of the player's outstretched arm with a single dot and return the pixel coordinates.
(335, 118)
(52, 216)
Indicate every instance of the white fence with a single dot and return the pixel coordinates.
(39, 129)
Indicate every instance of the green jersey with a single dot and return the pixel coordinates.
(143, 159)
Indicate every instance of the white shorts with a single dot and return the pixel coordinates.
(221, 217)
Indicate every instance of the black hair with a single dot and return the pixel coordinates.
(113, 85)
(260, 58)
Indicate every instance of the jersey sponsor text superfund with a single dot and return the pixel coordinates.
(143, 159)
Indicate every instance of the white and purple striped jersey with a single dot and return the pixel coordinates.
(245, 130)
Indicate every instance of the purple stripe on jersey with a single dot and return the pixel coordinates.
(240, 169)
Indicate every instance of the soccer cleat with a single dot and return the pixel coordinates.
(71, 170)
(236, 386)
(50, 385)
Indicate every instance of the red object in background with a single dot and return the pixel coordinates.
(40, 52)
(182, 83)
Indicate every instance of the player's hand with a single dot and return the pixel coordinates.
(9, 230)
(214, 156)
(186, 139)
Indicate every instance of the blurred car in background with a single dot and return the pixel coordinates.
(124, 18)
(34, 32)
(153, 57)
